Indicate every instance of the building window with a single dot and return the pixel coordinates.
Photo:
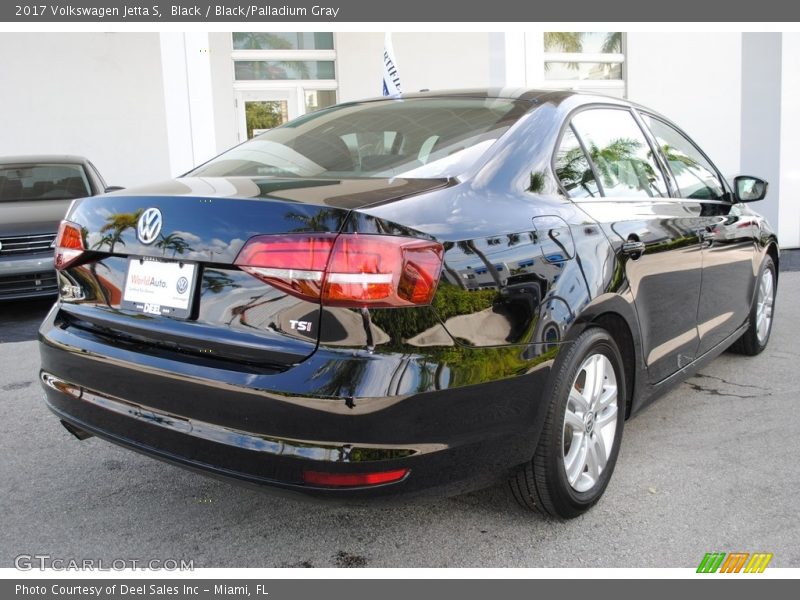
(590, 61)
(283, 41)
(279, 76)
(283, 56)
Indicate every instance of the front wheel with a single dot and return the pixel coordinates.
(580, 441)
(756, 338)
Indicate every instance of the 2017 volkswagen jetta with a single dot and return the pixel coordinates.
(430, 291)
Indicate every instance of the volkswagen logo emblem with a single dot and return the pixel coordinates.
(182, 285)
(149, 226)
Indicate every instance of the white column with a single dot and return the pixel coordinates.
(201, 104)
(507, 64)
(176, 103)
(188, 100)
(534, 59)
(761, 118)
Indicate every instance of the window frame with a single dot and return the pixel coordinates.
(645, 133)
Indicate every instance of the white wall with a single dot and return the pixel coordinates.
(695, 80)
(222, 89)
(761, 116)
(789, 220)
(435, 61)
(95, 94)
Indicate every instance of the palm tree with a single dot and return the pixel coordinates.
(117, 224)
(215, 281)
(563, 41)
(469, 247)
(613, 43)
(174, 242)
(454, 275)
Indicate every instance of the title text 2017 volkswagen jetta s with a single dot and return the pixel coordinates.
(431, 291)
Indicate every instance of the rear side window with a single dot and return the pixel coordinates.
(573, 168)
(695, 176)
(42, 182)
(622, 157)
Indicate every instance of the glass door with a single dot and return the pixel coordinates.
(261, 110)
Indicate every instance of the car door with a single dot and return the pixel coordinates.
(728, 232)
(608, 166)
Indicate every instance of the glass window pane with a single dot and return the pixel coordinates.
(695, 176)
(263, 115)
(284, 69)
(575, 71)
(621, 155)
(283, 41)
(604, 42)
(42, 182)
(573, 169)
(375, 139)
(316, 99)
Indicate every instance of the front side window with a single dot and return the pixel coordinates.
(622, 157)
(695, 177)
(415, 138)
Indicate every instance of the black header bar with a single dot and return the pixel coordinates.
(394, 11)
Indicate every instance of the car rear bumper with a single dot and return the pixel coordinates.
(271, 428)
(27, 276)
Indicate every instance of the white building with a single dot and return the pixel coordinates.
(147, 106)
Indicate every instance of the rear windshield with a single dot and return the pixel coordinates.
(42, 182)
(414, 138)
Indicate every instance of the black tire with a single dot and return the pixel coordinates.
(542, 484)
(749, 344)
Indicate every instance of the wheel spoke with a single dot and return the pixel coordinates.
(608, 396)
(609, 415)
(573, 421)
(595, 376)
(600, 450)
(592, 462)
(577, 464)
(577, 398)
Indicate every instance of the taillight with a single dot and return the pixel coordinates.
(69, 245)
(349, 270)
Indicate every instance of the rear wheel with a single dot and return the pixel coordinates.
(580, 442)
(756, 338)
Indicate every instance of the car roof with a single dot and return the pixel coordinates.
(32, 159)
(533, 95)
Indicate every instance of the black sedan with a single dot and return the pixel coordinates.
(428, 291)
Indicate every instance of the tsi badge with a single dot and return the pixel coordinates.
(300, 325)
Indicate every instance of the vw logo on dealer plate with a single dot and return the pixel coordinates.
(149, 226)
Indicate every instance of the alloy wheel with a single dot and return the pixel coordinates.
(590, 422)
(766, 299)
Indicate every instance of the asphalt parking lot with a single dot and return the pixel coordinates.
(712, 466)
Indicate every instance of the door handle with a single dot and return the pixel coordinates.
(633, 248)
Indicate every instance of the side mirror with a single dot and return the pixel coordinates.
(113, 188)
(749, 189)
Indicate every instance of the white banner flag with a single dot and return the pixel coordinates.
(391, 78)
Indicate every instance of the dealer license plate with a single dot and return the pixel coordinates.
(159, 287)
